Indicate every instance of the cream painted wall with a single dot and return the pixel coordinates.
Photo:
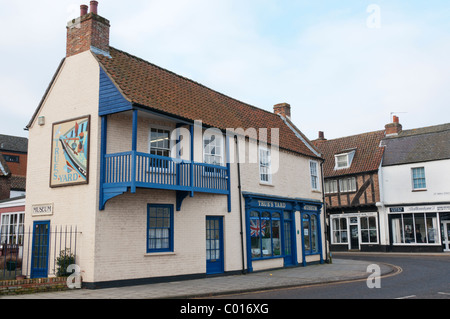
(73, 94)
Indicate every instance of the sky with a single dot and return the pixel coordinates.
(345, 67)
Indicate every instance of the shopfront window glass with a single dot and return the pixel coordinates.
(418, 228)
(339, 229)
(306, 238)
(368, 230)
(255, 234)
(276, 231)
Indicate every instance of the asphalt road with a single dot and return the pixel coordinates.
(416, 277)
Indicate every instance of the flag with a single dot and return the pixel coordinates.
(256, 228)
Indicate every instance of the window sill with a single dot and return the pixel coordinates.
(316, 191)
(419, 190)
(266, 184)
(168, 253)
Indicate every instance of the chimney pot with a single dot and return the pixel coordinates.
(94, 7)
(83, 10)
(396, 119)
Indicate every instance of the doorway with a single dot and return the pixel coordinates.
(354, 237)
(445, 230)
(40, 245)
(214, 245)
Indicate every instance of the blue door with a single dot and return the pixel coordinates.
(289, 245)
(214, 245)
(40, 249)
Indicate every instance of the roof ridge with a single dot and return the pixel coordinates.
(191, 80)
(354, 135)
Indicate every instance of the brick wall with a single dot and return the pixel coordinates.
(29, 286)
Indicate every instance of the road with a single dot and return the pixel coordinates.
(417, 277)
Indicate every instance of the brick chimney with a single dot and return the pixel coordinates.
(88, 32)
(394, 128)
(320, 140)
(283, 109)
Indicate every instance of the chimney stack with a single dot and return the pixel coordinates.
(88, 32)
(394, 128)
(283, 109)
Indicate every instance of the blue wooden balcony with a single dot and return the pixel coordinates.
(130, 170)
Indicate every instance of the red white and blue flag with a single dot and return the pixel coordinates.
(256, 228)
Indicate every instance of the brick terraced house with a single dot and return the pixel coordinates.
(162, 177)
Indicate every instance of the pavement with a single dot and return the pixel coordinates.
(338, 271)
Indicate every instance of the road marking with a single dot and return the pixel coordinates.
(406, 297)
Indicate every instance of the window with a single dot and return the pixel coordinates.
(339, 231)
(368, 230)
(264, 166)
(160, 228)
(418, 178)
(12, 228)
(331, 187)
(213, 149)
(347, 185)
(310, 233)
(160, 142)
(265, 233)
(11, 158)
(344, 160)
(418, 228)
(314, 175)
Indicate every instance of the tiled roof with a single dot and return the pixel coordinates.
(153, 87)
(13, 143)
(418, 145)
(368, 153)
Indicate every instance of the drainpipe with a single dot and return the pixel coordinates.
(325, 218)
(244, 271)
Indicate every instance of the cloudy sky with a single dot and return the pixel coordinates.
(344, 66)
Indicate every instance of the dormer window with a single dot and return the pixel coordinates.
(344, 160)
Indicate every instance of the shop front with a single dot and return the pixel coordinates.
(282, 232)
(355, 231)
(419, 228)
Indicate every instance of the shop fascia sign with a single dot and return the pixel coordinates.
(413, 209)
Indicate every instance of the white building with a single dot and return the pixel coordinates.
(415, 186)
(162, 177)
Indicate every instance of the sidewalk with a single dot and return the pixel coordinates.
(339, 270)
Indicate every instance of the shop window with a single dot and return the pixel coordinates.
(265, 233)
(160, 228)
(418, 228)
(369, 228)
(339, 230)
(310, 233)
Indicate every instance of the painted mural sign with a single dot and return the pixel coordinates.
(70, 152)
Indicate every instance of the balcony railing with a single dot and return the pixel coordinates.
(141, 170)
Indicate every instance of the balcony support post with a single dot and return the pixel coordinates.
(191, 165)
(133, 151)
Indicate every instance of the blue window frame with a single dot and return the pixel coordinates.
(159, 228)
(418, 178)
